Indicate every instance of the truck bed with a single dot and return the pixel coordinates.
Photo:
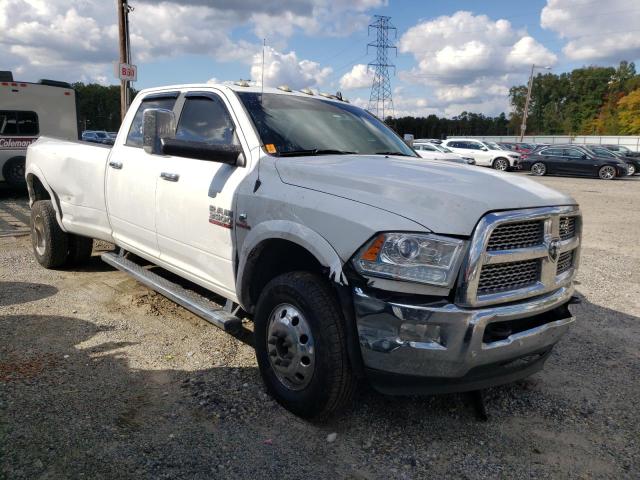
(75, 171)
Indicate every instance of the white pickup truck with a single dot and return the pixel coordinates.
(353, 257)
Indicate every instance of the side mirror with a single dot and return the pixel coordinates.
(229, 154)
(484, 149)
(157, 123)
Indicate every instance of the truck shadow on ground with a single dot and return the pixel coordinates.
(73, 404)
(13, 293)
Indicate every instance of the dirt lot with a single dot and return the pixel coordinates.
(100, 378)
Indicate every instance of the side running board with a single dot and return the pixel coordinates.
(195, 303)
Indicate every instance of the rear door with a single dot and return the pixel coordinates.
(131, 184)
(195, 198)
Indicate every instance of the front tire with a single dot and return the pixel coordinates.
(501, 164)
(607, 172)
(50, 243)
(300, 343)
(538, 169)
(632, 169)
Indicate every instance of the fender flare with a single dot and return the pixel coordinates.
(294, 232)
(33, 170)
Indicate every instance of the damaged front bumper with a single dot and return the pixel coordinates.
(438, 348)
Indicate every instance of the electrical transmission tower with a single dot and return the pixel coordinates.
(381, 101)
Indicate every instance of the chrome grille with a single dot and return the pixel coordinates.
(519, 254)
(565, 262)
(567, 227)
(508, 276)
(516, 235)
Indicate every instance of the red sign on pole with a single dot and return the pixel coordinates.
(127, 72)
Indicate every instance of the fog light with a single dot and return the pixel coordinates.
(420, 332)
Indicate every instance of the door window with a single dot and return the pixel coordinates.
(19, 123)
(551, 152)
(206, 120)
(134, 138)
(573, 153)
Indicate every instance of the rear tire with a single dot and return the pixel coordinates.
(501, 164)
(50, 243)
(80, 249)
(607, 172)
(309, 338)
(538, 169)
(13, 172)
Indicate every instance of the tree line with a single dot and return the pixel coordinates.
(586, 101)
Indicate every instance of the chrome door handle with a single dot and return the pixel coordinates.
(116, 165)
(170, 177)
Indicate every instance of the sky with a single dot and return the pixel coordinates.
(452, 55)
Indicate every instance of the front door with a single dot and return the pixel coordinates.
(131, 184)
(195, 198)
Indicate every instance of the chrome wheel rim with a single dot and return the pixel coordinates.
(290, 346)
(538, 169)
(632, 170)
(501, 165)
(38, 235)
(607, 173)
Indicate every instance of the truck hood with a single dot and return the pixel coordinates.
(443, 197)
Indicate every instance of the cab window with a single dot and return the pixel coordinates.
(134, 138)
(206, 119)
(573, 153)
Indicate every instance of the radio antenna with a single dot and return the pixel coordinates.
(264, 43)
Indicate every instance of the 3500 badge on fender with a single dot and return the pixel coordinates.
(221, 217)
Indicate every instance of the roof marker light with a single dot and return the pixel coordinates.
(325, 94)
(308, 91)
(242, 83)
(284, 88)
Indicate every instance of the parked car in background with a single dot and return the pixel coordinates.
(633, 163)
(517, 147)
(429, 140)
(435, 152)
(574, 160)
(486, 154)
(97, 136)
(622, 149)
(112, 135)
(27, 111)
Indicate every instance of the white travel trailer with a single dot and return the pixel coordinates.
(27, 111)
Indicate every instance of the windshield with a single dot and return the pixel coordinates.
(493, 146)
(297, 125)
(623, 149)
(602, 152)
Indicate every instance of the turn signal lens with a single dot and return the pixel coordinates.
(371, 254)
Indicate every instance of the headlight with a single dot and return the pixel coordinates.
(414, 257)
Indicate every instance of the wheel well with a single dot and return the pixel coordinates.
(36, 189)
(270, 259)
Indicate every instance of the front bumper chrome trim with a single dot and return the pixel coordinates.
(453, 337)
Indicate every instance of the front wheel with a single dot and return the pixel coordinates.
(607, 172)
(539, 169)
(300, 343)
(501, 164)
(632, 169)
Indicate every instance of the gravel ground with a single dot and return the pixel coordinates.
(101, 378)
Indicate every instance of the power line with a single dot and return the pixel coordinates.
(381, 100)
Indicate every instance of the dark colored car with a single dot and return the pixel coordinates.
(573, 160)
(633, 163)
(621, 149)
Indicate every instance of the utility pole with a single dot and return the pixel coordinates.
(381, 100)
(523, 126)
(125, 54)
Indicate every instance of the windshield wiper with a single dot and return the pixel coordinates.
(315, 151)
(402, 154)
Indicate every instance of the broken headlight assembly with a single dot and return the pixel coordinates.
(413, 257)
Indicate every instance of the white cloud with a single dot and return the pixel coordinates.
(464, 46)
(594, 32)
(287, 69)
(360, 76)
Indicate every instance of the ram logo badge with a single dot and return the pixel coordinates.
(221, 217)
